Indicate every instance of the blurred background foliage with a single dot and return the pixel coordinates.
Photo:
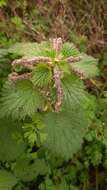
(84, 23)
(40, 19)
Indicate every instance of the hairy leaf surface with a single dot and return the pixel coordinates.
(29, 49)
(87, 66)
(42, 75)
(69, 49)
(26, 50)
(65, 131)
(74, 91)
(20, 99)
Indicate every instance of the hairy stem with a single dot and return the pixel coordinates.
(72, 59)
(60, 93)
(14, 76)
(32, 61)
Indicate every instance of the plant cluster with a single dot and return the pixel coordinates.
(45, 112)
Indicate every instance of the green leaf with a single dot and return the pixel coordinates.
(42, 75)
(81, 41)
(31, 49)
(49, 185)
(64, 67)
(69, 49)
(74, 91)
(3, 3)
(87, 66)
(3, 52)
(46, 49)
(62, 186)
(11, 140)
(25, 49)
(27, 169)
(7, 180)
(17, 21)
(65, 131)
(20, 99)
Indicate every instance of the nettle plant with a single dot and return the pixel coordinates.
(45, 99)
